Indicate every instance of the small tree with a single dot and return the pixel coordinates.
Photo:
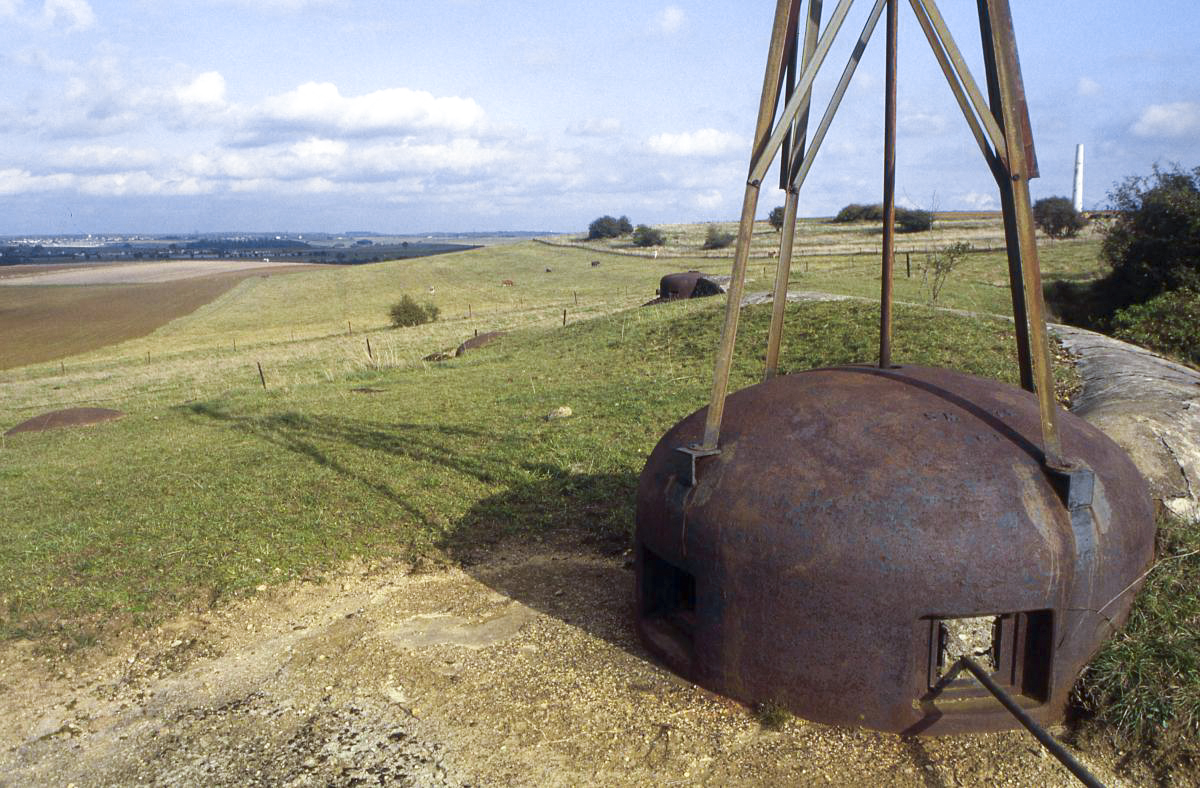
(644, 235)
(776, 217)
(715, 238)
(1154, 245)
(407, 312)
(938, 265)
(1057, 217)
(609, 227)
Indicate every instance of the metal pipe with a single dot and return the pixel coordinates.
(784, 11)
(765, 154)
(779, 304)
(787, 232)
(964, 103)
(838, 94)
(889, 190)
(1049, 742)
(1016, 274)
(1008, 78)
(999, 138)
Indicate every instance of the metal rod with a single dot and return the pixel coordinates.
(787, 232)
(784, 11)
(765, 153)
(964, 75)
(1049, 742)
(1016, 275)
(889, 190)
(838, 94)
(964, 103)
(1008, 77)
(782, 275)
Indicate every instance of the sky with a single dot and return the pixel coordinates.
(411, 116)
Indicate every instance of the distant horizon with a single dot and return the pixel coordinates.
(126, 115)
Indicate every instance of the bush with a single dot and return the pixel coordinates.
(908, 220)
(644, 235)
(714, 238)
(776, 217)
(608, 227)
(1168, 323)
(1057, 217)
(913, 220)
(854, 212)
(407, 312)
(1154, 244)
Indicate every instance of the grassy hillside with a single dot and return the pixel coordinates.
(190, 499)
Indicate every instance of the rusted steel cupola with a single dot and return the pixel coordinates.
(841, 540)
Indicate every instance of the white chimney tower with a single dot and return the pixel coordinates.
(1077, 195)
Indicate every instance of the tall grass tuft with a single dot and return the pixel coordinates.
(1143, 689)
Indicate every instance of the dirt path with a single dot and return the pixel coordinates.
(521, 670)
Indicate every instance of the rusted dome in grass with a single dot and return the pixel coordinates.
(861, 528)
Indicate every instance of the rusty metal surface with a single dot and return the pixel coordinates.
(691, 284)
(850, 510)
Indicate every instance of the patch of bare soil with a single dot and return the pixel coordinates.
(68, 417)
(520, 670)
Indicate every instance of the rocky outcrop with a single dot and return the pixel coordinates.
(1147, 404)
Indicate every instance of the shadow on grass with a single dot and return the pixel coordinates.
(555, 539)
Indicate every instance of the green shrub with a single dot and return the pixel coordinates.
(714, 238)
(776, 217)
(1154, 244)
(854, 212)
(908, 220)
(644, 235)
(1168, 323)
(407, 312)
(608, 227)
(913, 220)
(1057, 217)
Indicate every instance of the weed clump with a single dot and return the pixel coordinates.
(772, 715)
(407, 312)
(1143, 689)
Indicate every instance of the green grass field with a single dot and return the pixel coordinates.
(212, 485)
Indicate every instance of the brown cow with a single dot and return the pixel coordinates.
(507, 283)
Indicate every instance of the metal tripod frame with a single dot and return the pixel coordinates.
(1000, 125)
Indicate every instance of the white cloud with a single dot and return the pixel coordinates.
(670, 20)
(207, 90)
(978, 201)
(321, 106)
(1178, 119)
(705, 142)
(595, 127)
(1087, 87)
(14, 181)
(74, 14)
(104, 157)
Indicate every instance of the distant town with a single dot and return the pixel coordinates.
(329, 248)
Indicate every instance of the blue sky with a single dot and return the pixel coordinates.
(460, 115)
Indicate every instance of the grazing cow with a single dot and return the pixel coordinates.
(507, 283)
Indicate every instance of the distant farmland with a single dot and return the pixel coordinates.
(48, 322)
